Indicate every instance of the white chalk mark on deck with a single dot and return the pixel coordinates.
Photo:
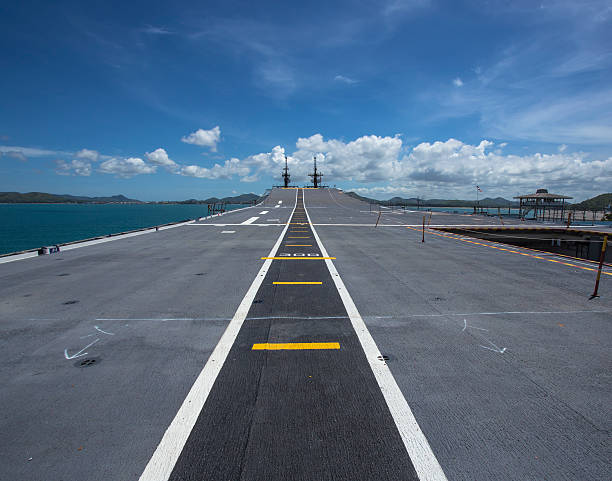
(103, 332)
(78, 354)
(494, 348)
(465, 326)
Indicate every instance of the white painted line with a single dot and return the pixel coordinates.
(420, 453)
(280, 201)
(264, 212)
(18, 257)
(250, 220)
(164, 458)
(273, 220)
(228, 231)
(277, 206)
(224, 225)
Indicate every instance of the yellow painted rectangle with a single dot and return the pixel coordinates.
(270, 346)
(296, 258)
(296, 283)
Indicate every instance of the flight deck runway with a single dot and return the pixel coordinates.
(295, 340)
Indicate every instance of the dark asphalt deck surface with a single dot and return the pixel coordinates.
(442, 311)
(295, 414)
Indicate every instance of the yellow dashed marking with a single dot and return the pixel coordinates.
(296, 283)
(269, 346)
(516, 252)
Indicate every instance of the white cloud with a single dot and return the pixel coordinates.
(395, 7)
(14, 154)
(458, 82)
(205, 138)
(153, 30)
(523, 95)
(75, 167)
(126, 168)
(562, 148)
(346, 80)
(441, 168)
(275, 78)
(226, 171)
(33, 152)
(87, 154)
(160, 157)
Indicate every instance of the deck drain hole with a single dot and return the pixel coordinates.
(383, 357)
(67, 303)
(63, 275)
(257, 301)
(87, 362)
(200, 273)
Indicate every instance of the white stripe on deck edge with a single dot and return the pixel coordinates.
(164, 458)
(423, 459)
(250, 220)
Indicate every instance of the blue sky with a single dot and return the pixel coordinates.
(416, 97)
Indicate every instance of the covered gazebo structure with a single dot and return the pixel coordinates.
(542, 203)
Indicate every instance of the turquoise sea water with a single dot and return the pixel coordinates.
(29, 226)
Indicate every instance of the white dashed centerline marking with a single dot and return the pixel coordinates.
(264, 212)
(250, 220)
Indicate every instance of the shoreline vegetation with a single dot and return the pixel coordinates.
(45, 198)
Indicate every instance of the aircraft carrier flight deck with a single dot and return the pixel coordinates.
(308, 337)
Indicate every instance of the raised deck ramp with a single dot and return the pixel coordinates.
(207, 364)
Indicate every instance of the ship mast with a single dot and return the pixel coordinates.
(286, 175)
(316, 176)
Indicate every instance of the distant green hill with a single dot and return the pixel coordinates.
(44, 198)
(237, 199)
(599, 202)
(486, 202)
